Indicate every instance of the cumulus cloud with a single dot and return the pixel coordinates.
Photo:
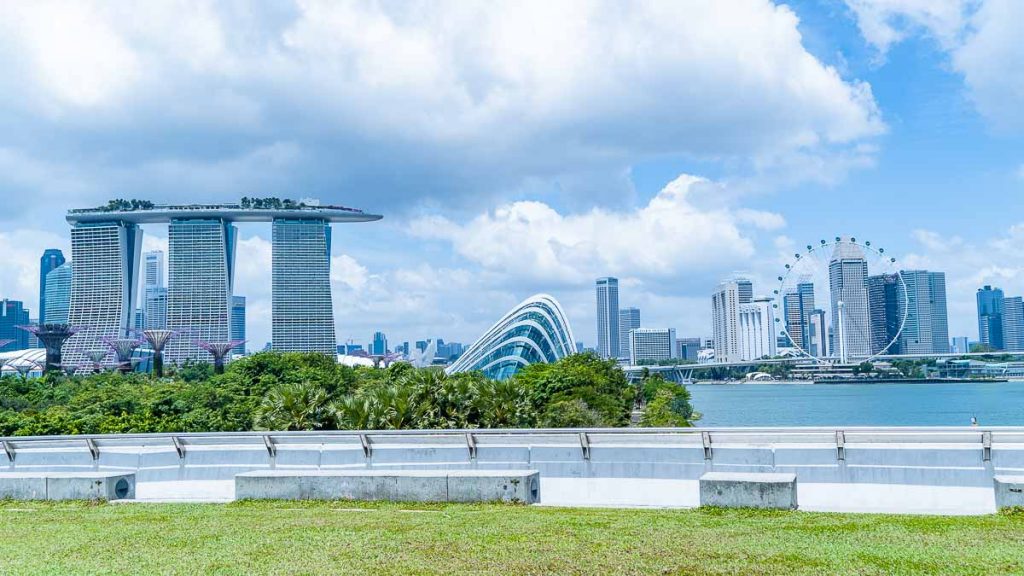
(982, 38)
(440, 99)
(666, 238)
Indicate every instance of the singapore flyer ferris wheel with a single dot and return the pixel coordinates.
(841, 301)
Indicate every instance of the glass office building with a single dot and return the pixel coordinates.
(57, 294)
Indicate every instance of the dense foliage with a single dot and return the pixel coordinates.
(275, 391)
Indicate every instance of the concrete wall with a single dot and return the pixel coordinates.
(955, 459)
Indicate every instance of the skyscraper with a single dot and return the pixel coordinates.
(687, 348)
(798, 305)
(940, 313)
(57, 293)
(201, 279)
(303, 314)
(756, 329)
(629, 319)
(154, 269)
(848, 286)
(238, 323)
(1013, 323)
(608, 317)
(13, 314)
(154, 291)
(105, 283)
(379, 346)
(725, 309)
(817, 330)
(51, 260)
(990, 317)
(886, 303)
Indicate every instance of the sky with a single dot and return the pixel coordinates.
(529, 146)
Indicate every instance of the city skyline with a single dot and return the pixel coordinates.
(495, 188)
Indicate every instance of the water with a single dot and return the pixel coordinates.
(993, 403)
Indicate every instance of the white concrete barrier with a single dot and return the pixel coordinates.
(748, 490)
(1009, 491)
(521, 486)
(66, 486)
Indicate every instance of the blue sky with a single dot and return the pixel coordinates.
(526, 147)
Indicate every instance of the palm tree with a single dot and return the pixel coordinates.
(302, 406)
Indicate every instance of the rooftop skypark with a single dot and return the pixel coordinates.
(246, 210)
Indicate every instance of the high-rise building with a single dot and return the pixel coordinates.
(154, 291)
(379, 346)
(961, 345)
(817, 331)
(238, 323)
(303, 313)
(201, 266)
(13, 314)
(990, 317)
(886, 304)
(940, 312)
(51, 260)
(688, 348)
(57, 294)
(797, 305)
(1013, 324)
(629, 319)
(756, 329)
(848, 286)
(105, 283)
(651, 344)
(608, 317)
(725, 308)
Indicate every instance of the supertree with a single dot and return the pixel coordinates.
(96, 358)
(70, 369)
(124, 349)
(25, 367)
(158, 340)
(53, 337)
(218, 350)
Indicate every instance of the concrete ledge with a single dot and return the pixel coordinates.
(748, 490)
(67, 486)
(1009, 491)
(395, 485)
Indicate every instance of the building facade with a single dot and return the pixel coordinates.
(104, 284)
(303, 311)
(608, 317)
(725, 309)
(57, 294)
(536, 330)
(885, 294)
(757, 330)
(629, 319)
(1013, 324)
(51, 260)
(990, 317)
(651, 344)
(848, 287)
(238, 324)
(797, 306)
(201, 266)
(688, 349)
(379, 346)
(154, 290)
(13, 314)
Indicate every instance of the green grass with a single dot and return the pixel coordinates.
(362, 538)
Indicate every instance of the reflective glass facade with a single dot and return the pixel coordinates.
(303, 314)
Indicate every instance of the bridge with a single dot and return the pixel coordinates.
(683, 373)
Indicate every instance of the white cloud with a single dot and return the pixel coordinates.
(420, 99)
(21, 250)
(982, 38)
(665, 238)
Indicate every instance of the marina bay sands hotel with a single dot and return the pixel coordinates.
(106, 245)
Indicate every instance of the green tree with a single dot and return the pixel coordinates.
(303, 406)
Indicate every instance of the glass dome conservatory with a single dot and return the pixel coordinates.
(534, 331)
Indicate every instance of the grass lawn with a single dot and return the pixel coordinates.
(366, 538)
